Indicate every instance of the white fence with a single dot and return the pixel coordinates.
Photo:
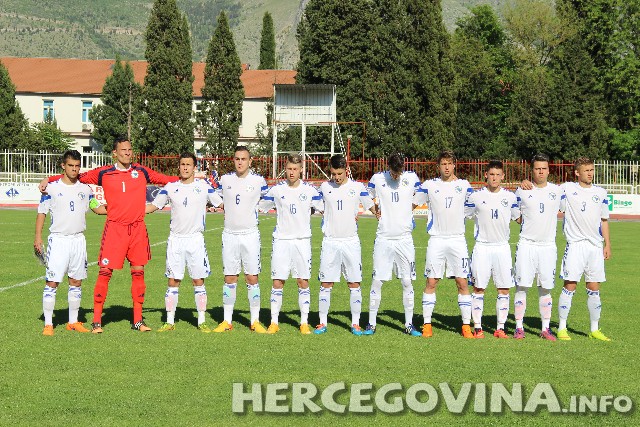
(22, 166)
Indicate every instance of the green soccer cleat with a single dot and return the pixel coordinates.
(202, 327)
(563, 335)
(598, 335)
(167, 327)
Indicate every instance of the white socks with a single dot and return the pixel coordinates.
(253, 294)
(276, 304)
(564, 306)
(502, 309)
(171, 303)
(594, 306)
(228, 300)
(464, 302)
(48, 304)
(428, 304)
(545, 304)
(304, 301)
(74, 297)
(375, 295)
(408, 301)
(200, 295)
(324, 302)
(355, 301)
(477, 307)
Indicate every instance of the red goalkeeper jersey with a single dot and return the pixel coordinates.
(125, 190)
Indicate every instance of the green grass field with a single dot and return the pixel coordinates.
(124, 377)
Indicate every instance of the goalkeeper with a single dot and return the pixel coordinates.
(67, 202)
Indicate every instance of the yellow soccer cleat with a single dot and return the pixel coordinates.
(563, 335)
(305, 329)
(78, 327)
(203, 327)
(167, 327)
(224, 326)
(598, 335)
(257, 328)
(273, 328)
(48, 330)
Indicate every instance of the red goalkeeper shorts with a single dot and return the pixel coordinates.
(120, 241)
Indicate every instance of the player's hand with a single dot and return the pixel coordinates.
(38, 245)
(43, 185)
(606, 252)
(526, 184)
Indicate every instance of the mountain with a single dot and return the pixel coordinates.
(100, 29)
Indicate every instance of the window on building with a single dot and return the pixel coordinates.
(86, 106)
(47, 109)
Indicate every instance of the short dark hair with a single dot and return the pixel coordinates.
(242, 148)
(396, 162)
(119, 139)
(581, 161)
(446, 154)
(71, 154)
(295, 159)
(539, 158)
(338, 161)
(494, 164)
(188, 155)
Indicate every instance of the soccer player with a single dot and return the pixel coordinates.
(586, 228)
(341, 251)
(241, 192)
(291, 253)
(185, 246)
(393, 249)
(68, 201)
(492, 208)
(536, 253)
(125, 233)
(447, 245)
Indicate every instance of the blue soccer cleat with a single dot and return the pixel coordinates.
(320, 329)
(356, 330)
(410, 330)
(369, 330)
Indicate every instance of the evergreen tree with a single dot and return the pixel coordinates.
(14, 128)
(120, 103)
(267, 44)
(221, 109)
(165, 124)
(47, 136)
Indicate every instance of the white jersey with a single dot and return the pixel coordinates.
(241, 197)
(492, 213)
(293, 206)
(341, 207)
(68, 205)
(188, 205)
(539, 208)
(445, 216)
(585, 208)
(395, 200)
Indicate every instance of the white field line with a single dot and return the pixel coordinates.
(91, 264)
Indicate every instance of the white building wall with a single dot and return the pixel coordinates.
(68, 114)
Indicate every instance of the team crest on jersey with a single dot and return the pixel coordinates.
(504, 202)
(595, 198)
(352, 193)
(197, 190)
(303, 197)
(458, 189)
(552, 196)
(105, 261)
(321, 275)
(134, 174)
(250, 188)
(81, 195)
(405, 182)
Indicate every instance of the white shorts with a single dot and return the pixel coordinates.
(241, 249)
(291, 256)
(66, 255)
(340, 255)
(397, 256)
(492, 260)
(188, 251)
(583, 258)
(449, 251)
(532, 260)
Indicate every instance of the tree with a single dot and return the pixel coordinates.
(120, 104)
(267, 44)
(47, 136)
(14, 127)
(484, 75)
(221, 109)
(165, 124)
